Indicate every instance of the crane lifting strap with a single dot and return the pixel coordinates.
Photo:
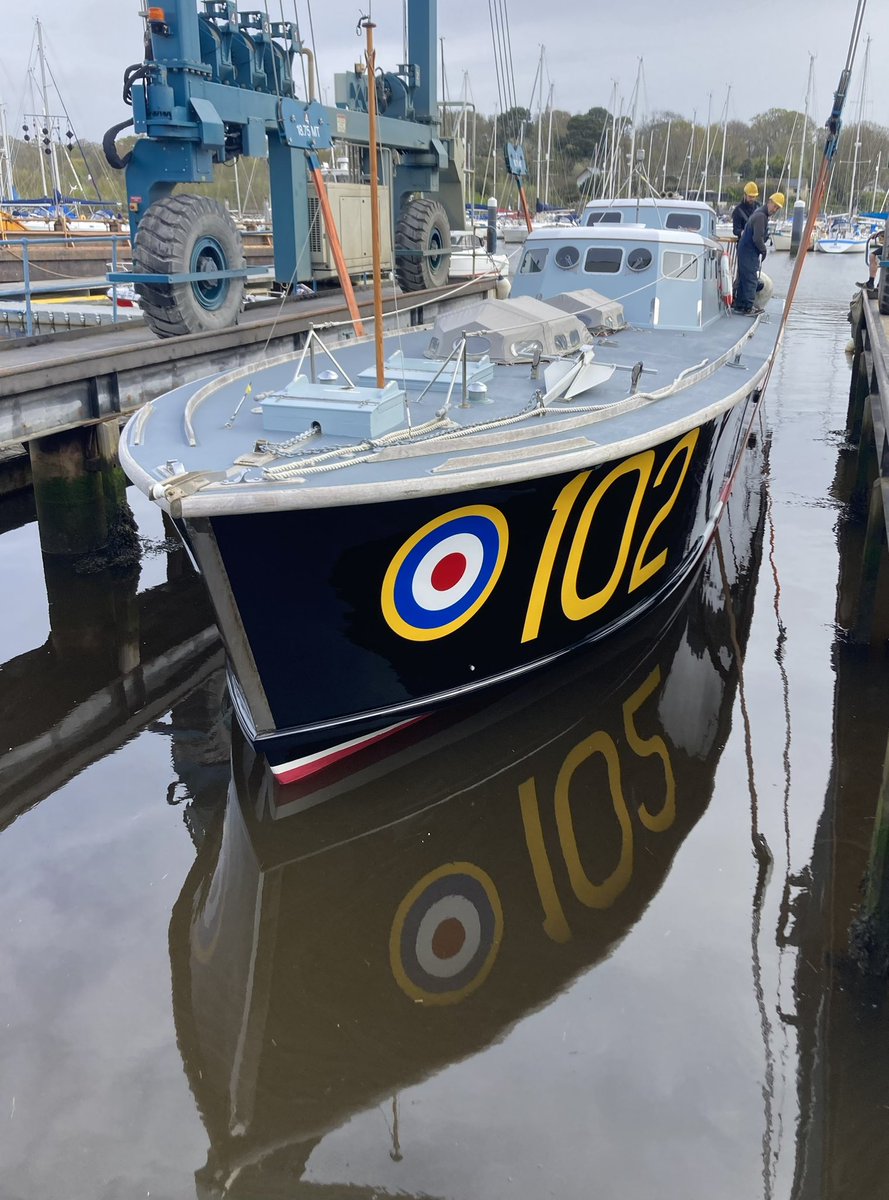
(335, 244)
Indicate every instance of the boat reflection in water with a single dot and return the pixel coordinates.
(326, 956)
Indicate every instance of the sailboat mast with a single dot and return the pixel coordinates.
(549, 142)
(666, 154)
(861, 95)
(539, 122)
(494, 153)
(374, 197)
(722, 156)
(802, 143)
(702, 192)
(612, 176)
(877, 174)
(53, 161)
(6, 189)
(631, 174)
(691, 150)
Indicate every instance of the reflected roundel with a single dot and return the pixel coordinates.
(445, 572)
(446, 934)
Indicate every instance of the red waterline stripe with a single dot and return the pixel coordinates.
(299, 768)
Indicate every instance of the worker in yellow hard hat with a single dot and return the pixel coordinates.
(751, 252)
(742, 212)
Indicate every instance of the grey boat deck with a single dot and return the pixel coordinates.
(689, 377)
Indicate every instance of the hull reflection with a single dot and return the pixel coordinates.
(323, 960)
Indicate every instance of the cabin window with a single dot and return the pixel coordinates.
(689, 221)
(526, 349)
(561, 341)
(603, 260)
(477, 344)
(533, 261)
(608, 217)
(639, 259)
(574, 337)
(677, 264)
(567, 257)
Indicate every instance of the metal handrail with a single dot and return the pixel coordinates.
(27, 242)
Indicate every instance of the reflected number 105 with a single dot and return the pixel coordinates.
(595, 895)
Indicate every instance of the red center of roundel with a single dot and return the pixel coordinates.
(448, 572)
(448, 938)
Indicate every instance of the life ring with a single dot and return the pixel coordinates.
(725, 280)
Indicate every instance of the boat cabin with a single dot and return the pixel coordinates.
(668, 279)
(692, 216)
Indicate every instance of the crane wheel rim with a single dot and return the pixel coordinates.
(208, 255)
(436, 242)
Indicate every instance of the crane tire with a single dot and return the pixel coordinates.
(422, 246)
(185, 233)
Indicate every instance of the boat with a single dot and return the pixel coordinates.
(470, 256)
(843, 241)
(781, 236)
(522, 840)
(384, 533)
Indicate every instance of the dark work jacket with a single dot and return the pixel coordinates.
(755, 232)
(741, 214)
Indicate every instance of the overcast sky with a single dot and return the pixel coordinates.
(690, 51)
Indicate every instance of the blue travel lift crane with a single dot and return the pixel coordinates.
(219, 84)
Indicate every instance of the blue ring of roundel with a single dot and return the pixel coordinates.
(407, 607)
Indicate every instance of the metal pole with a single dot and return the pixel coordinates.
(26, 277)
(114, 285)
(369, 27)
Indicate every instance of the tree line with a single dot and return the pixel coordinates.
(590, 156)
(570, 156)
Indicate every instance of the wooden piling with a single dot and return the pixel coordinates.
(866, 429)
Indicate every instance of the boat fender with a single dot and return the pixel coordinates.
(725, 280)
(764, 289)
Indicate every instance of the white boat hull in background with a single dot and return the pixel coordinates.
(853, 245)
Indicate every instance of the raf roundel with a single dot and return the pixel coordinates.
(444, 573)
(446, 934)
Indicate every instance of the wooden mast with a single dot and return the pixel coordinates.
(374, 198)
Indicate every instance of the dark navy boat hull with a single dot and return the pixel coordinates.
(343, 624)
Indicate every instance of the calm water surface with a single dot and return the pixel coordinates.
(591, 939)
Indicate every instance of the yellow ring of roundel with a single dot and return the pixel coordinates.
(387, 595)
(406, 984)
